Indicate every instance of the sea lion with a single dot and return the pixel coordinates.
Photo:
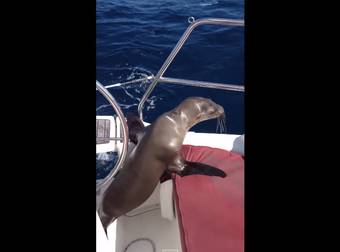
(137, 131)
(156, 150)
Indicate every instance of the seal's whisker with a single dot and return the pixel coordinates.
(221, 124)
(218, 124)
(224, 125)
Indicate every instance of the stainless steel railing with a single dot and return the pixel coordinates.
(125, 137)
(159, 76)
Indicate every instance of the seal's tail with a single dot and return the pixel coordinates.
(105, 226)
(134, 121)
(193, 168)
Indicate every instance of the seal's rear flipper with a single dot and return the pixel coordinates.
(192, 168)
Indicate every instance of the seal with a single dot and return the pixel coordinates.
(157, 150)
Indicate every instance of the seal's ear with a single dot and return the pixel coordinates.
(192, 168)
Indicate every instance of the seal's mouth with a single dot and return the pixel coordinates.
(218, 112)
(210, 110)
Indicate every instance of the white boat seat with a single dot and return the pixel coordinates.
(238, 145)
(166, 200)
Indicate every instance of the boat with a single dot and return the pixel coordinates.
(182, 215)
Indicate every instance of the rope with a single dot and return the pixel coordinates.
(129, 82)
(142, 239)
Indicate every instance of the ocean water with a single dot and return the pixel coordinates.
(135, 37)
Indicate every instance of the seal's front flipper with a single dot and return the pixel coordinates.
(192, 168)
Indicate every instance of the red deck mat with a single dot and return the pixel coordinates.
(211, 209)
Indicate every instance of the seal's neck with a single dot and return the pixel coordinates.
(189, 117)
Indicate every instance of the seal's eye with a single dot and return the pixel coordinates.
(210, 110)
(204, 107)
(213, 111)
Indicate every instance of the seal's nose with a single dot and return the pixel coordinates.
(220, 110)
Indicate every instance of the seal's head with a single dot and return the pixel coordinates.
(201, 109)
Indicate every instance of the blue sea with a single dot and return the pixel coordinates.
(135, 37)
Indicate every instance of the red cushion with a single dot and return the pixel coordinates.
(211, 209)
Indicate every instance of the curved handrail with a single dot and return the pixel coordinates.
(125, 137)
(177, 48)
